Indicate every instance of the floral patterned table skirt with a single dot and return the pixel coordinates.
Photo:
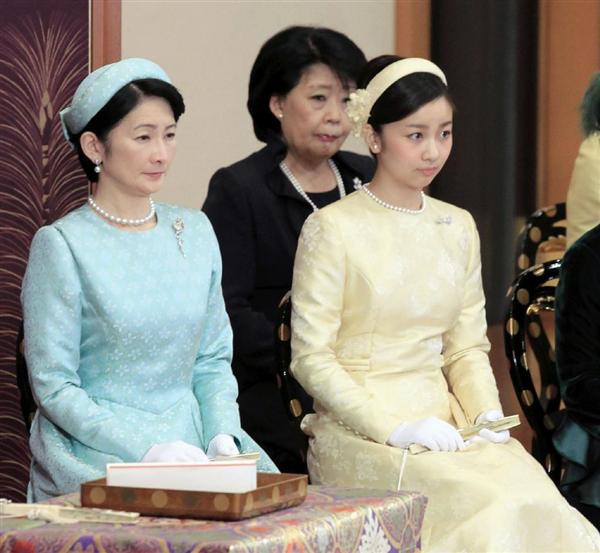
(330, 520)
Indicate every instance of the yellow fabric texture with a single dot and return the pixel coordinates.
(388, 325)
(583, 198)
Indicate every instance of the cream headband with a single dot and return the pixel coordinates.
(362, 100)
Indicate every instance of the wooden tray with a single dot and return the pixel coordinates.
(273, 492)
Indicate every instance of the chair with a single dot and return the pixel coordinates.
(297, 402)
(544, 231)
(532, 293)
(28, 405)
(542, 239)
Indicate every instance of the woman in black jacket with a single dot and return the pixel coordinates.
(299, 86)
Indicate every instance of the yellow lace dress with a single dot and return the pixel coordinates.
(388, 325)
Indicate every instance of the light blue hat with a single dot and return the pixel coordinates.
(100, 86)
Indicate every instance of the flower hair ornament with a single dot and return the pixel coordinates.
(362, 100)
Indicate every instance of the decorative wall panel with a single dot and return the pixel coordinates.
(43, 56)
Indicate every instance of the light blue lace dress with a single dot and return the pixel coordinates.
(128, 345)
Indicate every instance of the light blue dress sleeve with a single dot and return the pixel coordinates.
(52, 306)
(214, 385)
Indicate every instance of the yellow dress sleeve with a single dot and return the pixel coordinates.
(466, 362)
(583, 198)
(317, 302)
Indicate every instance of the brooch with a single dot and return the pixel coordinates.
(178, 228)
(444, 220)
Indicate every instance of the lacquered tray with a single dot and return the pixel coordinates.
(274, 492)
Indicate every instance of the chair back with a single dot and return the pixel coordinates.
(544, 231)
(532, 293)
(297, 402)
(28, 405)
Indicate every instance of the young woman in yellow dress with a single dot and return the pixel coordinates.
(389, 337)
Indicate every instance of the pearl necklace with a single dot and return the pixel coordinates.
(338, 179)
(122, 220)
(395, 207)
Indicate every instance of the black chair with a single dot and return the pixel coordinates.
(543, 229)
(297, 402)
(542, 239)
(28, 405)
(531, 294)
(544, 233)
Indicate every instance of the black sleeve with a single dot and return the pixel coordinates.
(356, 165)
(578, 333)
(366, 167)
(228, 207)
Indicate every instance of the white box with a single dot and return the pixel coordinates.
(235, 476)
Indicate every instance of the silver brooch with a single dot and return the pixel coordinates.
(357, 183)
(178, 228)
(447, 220)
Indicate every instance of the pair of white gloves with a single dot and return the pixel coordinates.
(178, 451)
(437, 435)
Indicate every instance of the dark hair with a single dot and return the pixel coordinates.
(590, 107)
(124, 101)
(403, 97)
(281, 62)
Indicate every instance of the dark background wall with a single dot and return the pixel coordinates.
(43, 57)
(488, 49)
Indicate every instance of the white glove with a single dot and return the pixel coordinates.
(432, 433)
(495, 437)
(178, 451)
(222, 444)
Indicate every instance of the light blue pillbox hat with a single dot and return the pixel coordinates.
(100, 86)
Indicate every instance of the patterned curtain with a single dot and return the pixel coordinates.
(43, 57)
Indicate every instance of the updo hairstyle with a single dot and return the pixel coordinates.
(123, 102)
(590, 107)
(283, 59)
(403, 97)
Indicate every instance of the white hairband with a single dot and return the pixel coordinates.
(362, 100)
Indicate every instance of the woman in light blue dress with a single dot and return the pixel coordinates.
(126, 336)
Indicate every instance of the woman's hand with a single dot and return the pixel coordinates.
(489, 435)
(178, 451)
(222, 445)
(432, 433)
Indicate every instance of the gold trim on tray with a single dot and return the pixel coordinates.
(273, 492)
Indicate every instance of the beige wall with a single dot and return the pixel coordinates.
(208, 47)
(568, 57)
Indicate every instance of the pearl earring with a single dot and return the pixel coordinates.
(280, 115)
(375, 148)
(98, 167)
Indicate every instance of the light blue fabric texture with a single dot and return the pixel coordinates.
(127, 343)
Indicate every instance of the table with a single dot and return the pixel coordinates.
(336, 520)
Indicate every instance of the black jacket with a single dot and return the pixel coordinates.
(577, 437)
(257, 216)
